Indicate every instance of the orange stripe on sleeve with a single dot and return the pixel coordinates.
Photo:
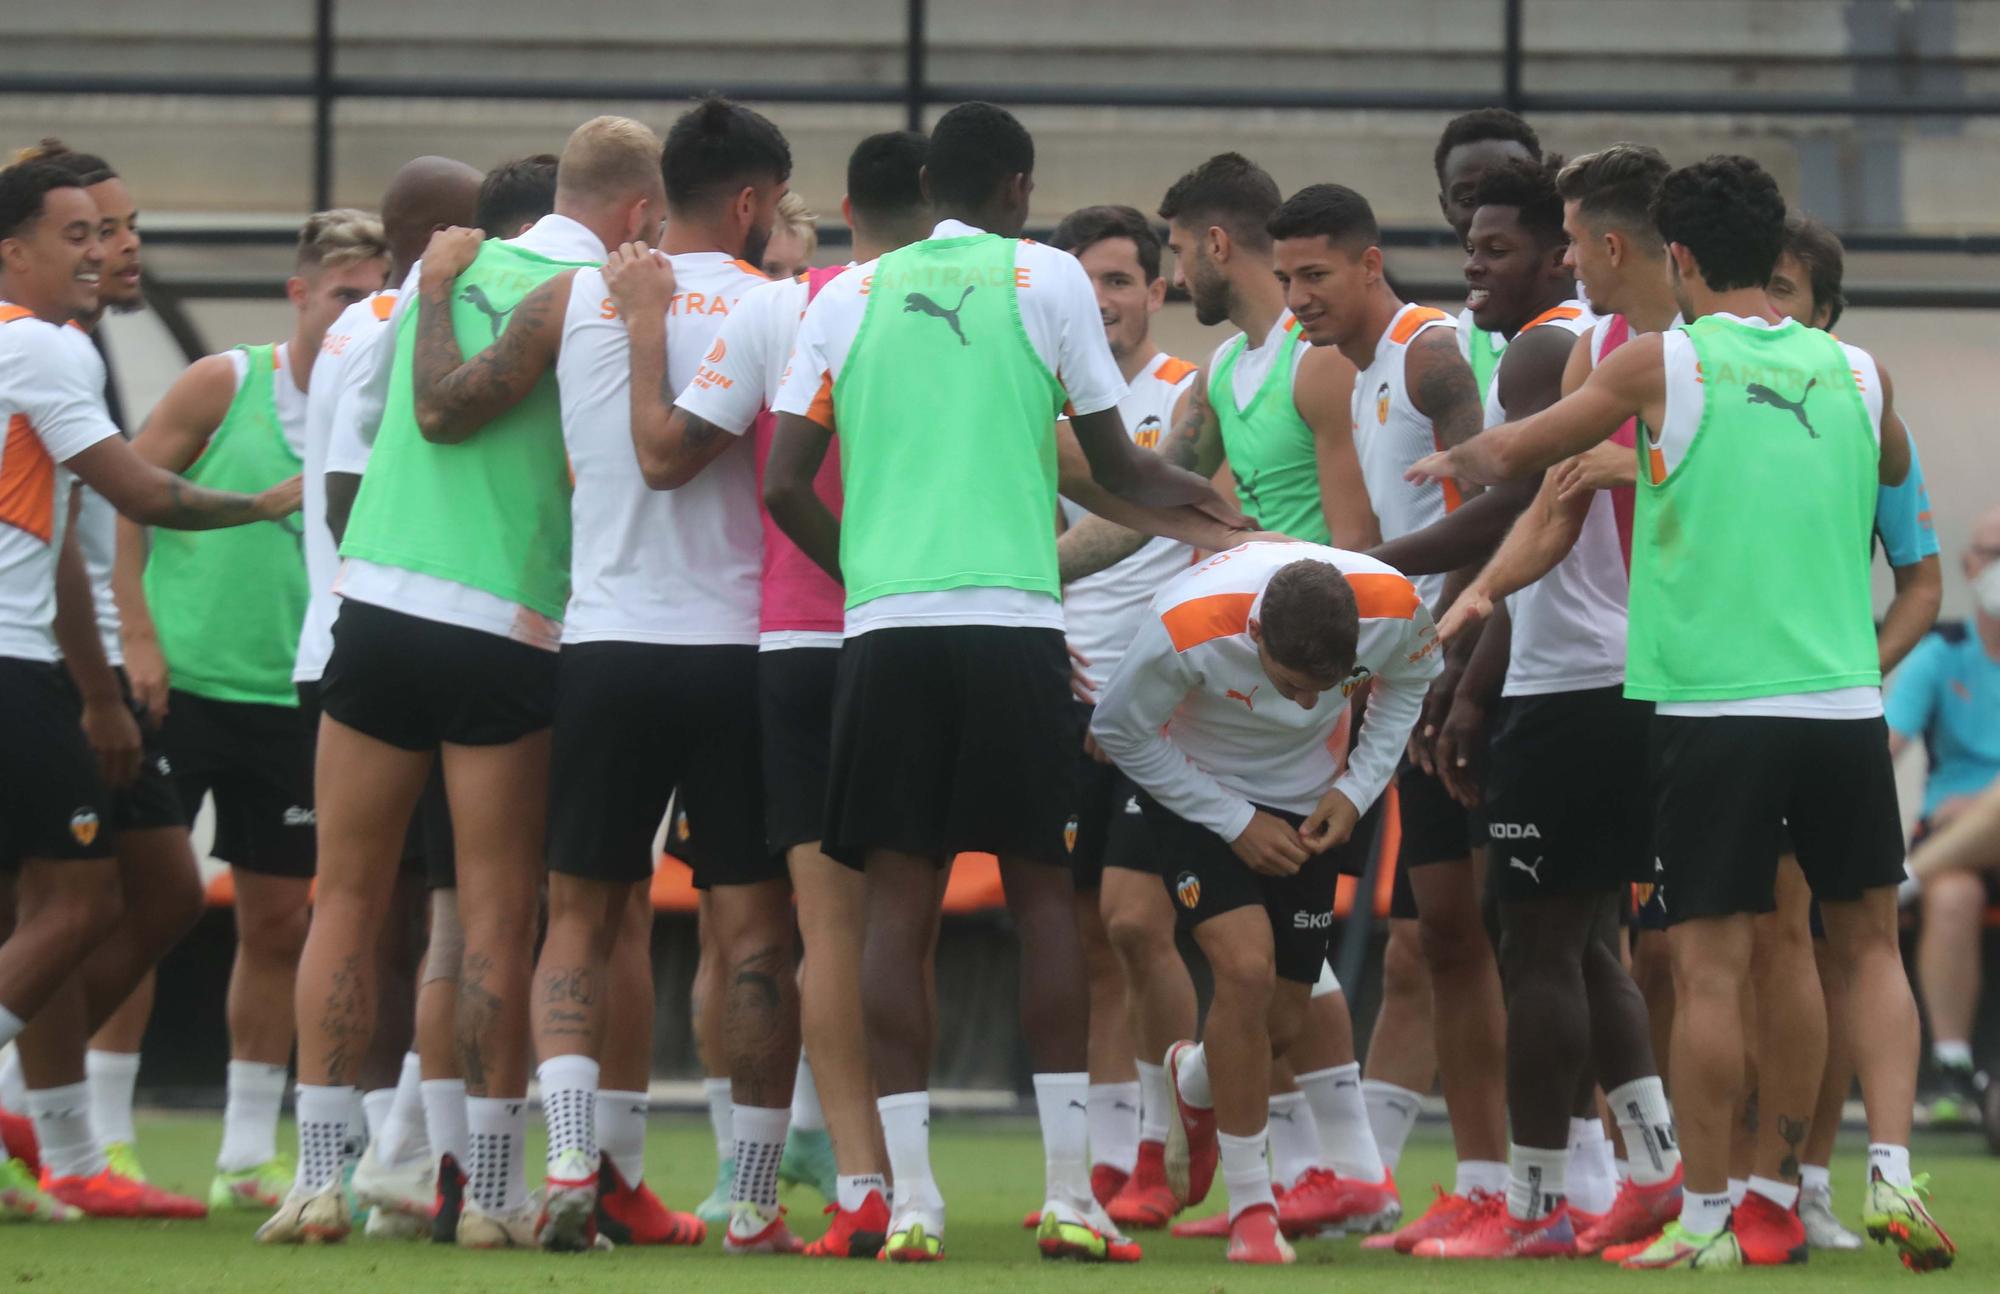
(27, 481)
(748, 268)
(821, 409)
(1453, 496)
(1172, 370)
(1412, 320)
(1200, 620)
(1379, 595)
(9, 313)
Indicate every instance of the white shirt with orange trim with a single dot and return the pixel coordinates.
(1390, 434)
(646, 565)
(97, 536)
(1191, 716)
(1103, 610)
(1060, 315)
(360, 327)
(52, 409)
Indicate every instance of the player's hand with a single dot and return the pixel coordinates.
(641, 281)
(1461, 743)
(281, 500)
(1092, 749)
(1430, 719)
(146, 671)
(1331, 822)
(114, 735)
(1600, 467)
(1080, 684)
(449, 252)
(1473, 607)
(1432, 467)
(1270, 846)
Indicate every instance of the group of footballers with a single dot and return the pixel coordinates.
(577, 488)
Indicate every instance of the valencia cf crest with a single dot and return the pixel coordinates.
(1382, 404)
(681, 826)
(1360, 675)
(1187, 888)
(83, 826)
(1069, 835)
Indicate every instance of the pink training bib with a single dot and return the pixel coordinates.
(798, 596)
(1615, 335)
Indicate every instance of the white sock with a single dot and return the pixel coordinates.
(1244, 1172)
(375, 1111)
(1294, 1138)
(1816, 1179)
(323, 1116)
(1114, 1124)
(621, 1132)
(1340, 1111)
(852, 1192)
(1062, 1101)
(496, 1175)
(1392, 1112)
(1623, 1167)
(444, 1119)
(906, 1130)
(1785, 1197)
(1704, 1215)
(1738, 1188)
(1893, 1162)
(112, 1075)
(1607, 1160)
(1537, 1181)
(1592, 1188)
(250, 1116)
(569, 1106)
(13, 1087)
(717, 1092)
(1651, 1144)
(1955, 1054)
(403, 1130)
(62, 1128)
(760, 1144)
(1194, 1078)
(1156, 1102)
(1488, 1175)
(807, 1116)
(10, 1029)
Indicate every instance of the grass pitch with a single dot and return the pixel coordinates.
(991, 1173)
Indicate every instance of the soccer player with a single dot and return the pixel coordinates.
(1765, 678)
(66, 886)
(211, 626)
(1412, 393)
(1471, 146)
(1251, 810)
(664, 598)
(952, 727)
(455, 571)
(794, 239)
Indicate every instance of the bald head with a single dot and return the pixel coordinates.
(426, 194)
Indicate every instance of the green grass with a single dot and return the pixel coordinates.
(991, 1173)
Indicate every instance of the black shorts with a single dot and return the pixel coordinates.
(149, 802)
(1726, 788)
(418, 684)
(53, 805)
(1435, 829)
(952, 738)
(636, 720)
(1566, 797)
(795, 707)
(427, 847)
(1205, 879)
(257, 762)
(1108, 829)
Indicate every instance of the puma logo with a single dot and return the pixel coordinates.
(476, 298)
(1534, 869)
(1758, 393)
(1124, 1105)
(1289, 1116)
(1079, 1105)
(1244, 697)
(918, 303)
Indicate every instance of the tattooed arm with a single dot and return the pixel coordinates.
(153, 496)
(672, 444)
(455, 396)
(1094, 543)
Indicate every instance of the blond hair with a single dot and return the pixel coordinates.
(607, 158)
(795, 217)
(340, 237)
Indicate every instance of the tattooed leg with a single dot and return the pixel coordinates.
(569, 979)
(761, 1011)
(1791, 1041)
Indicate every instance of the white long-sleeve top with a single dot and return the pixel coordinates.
(1191, 716)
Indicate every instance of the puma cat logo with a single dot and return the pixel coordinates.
(476, 298)
(918, 303)
(1534, 869)
(1758, 393)
(1244, 697)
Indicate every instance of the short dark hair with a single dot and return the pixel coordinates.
(1728, 212)
(88, 168)
(974, 148)
(1529, 188)
(1309, 620)
(1818, 249)
(24, 190)
(1333, 211)
(516, 193)
(719, 142)
(1086, 227)
(1482, 124)
(1615, 185)
(885, 175)
(1228, 190)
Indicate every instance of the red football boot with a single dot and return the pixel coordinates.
(1254, 1237)
(1636, 1216)
(1769, 1236)
(1145, 1202)
(855, 1233)
(630, 1214)
(1496, 1233)
(17, 1141)
(1192, 1150)
(110, 1195)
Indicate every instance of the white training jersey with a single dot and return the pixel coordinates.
(1390, 434)
(1191, 716)
(97, 535)
(414, 593)
(1468, 325)
(1569, 626)
(646, 565)
(1685, 402)
(52, 408)
(1059, 313)
(1102, 611)
(357, 330)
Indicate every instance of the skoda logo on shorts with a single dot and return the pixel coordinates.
(1069, 834)
(83, 826)
(1187, 888)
